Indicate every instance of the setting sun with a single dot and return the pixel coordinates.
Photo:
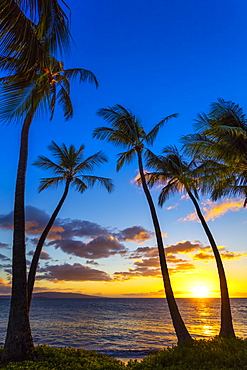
(200, 291)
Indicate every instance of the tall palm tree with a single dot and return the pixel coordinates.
(177, 176)
(69, 168)
(127, 131)
(24, 98)
(26, 25)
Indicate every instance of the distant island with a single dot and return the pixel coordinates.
(52, 295)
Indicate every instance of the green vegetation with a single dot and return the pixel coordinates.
(214, 354)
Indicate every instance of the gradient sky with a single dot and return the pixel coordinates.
(156, 58)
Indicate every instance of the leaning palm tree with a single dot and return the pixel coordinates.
(178, 176)
(69, 168)
(24, 98)
(127, 131)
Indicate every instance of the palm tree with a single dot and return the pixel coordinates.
(69, 168)
(21, 97)
(221, 144)
(128, 132)
(25, 26)
(177, 176)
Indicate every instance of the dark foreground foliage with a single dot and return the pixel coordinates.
(212, 354)
(199, 354)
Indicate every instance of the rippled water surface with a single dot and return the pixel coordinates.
(123, 327)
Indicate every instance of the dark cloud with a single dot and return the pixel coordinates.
(4, 258)
(6, 221)
(203, 256)
(183, 247)
(81, 228)
(148, 262)
(233, 255)
(143, 252)
(43, 255)
(4, 246)
(103, 246)
(75, 272)
(135, 234)
(92, 262)
(137, 272)
(36, 220)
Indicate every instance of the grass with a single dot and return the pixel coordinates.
(199, 354)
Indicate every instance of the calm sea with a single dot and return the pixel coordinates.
(122, 327)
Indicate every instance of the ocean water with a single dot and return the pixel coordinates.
(122, 327)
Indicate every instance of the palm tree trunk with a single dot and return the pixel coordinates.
(19, 344)
(35, 260)
(226, 329)
(179, 326)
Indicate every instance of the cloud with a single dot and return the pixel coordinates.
(92, 262)
(142, 252)
(233, 255)
(43, 255)
(4, 246)
(103, 246)
(137, 272)
(5, 287)
(203, 256)
(75, 272)
(36, 221)
(182, 267)
(135, 234)
(216, 209)
(160, 293)
(183, 247)
(147, 262)
(213, 210)
(4, 258)
(172, 207)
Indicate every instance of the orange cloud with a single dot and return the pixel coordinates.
(213, 210)
(172, 207)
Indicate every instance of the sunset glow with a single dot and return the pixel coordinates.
(200, 291)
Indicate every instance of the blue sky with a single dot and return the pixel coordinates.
(155, 58)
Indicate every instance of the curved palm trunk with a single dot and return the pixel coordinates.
(19, 344)
(35, 260)
(226, 329)
(179, 326)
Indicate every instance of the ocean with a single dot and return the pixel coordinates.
(122, 327)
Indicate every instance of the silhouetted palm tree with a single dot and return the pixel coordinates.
(126, 131)
(69, 168)
(177, 176)
(22, 98)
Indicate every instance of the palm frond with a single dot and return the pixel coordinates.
(126, 157)
(49, 182)
(151, 136)
(102, 181)
(171, 188)
(18, 37)
(79, 184)
(114, 136)
(90, 162)
(84, 75)
(65, 101)
(46, 164)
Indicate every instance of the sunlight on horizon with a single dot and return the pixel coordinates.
(200, 291)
